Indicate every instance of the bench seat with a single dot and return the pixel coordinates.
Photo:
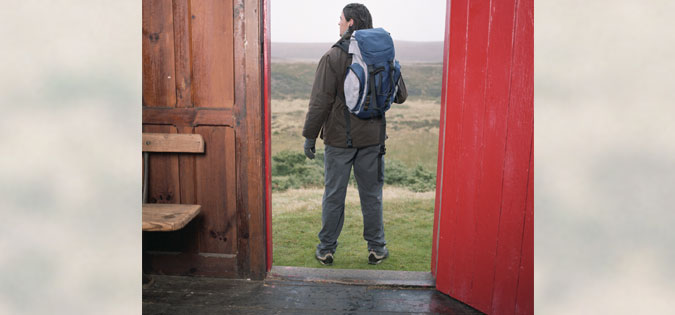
(167, 217)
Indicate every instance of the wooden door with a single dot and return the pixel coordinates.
(483, 225)
(202, 74)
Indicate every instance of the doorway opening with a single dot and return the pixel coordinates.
(412, 146)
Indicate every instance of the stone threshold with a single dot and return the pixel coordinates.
(354, 276)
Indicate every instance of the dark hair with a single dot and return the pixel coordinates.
(360, 14)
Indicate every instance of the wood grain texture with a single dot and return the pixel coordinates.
(483, 213)
(189, 264)
(493, 139)
(525, 290)
(255, 145)
(212, 55)
(220, 64)
(202, 57)
(240, 110)
(188, 195)
(470, 147)
(192, 117)
(454, 90)
(516, 163)
(158, 54)
(267, 55)
(165, 142)
(215, 190)
(163, 186)
(186, 162)
(182, 49)
(441, 144)
(250, 139)
(167, 217)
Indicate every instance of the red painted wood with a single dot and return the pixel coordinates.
(453, 109)
(441, 142)
(488, 195)
(517, 161)
(470, 147)
(525, 297)
(483, 220)
(268, 140)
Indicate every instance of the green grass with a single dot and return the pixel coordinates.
(408, 220)
(293, 170)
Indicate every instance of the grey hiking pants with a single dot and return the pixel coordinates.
(338, 163)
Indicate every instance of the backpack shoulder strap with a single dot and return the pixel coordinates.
(343, 44)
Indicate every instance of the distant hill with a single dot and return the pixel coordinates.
(406, 52)
(293, 80)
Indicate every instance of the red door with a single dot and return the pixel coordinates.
(483, 226)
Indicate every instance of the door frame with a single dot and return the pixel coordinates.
(266, 88)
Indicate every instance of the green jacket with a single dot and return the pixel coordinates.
(327, 103)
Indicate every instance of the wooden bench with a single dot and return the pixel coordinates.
(162, 216)
(167, 217)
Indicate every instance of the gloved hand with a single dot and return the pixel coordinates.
(309, 148)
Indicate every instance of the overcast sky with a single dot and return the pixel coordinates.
(316, 21)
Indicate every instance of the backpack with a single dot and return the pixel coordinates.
(371, 81)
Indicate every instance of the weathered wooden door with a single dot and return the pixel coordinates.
(202, 74)
(483, 225)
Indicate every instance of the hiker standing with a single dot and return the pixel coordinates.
(351, 121)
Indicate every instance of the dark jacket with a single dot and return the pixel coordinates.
(327, 105)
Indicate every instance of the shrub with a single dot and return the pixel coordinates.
(292, 170)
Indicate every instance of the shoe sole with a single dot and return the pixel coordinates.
(328, 261)
(372, 260)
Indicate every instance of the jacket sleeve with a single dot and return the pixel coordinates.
(322, 97)
(402, 93)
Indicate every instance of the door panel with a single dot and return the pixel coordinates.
(158, 54)
(483, 223)
(216, 191)
(193, 53)
(213, 54)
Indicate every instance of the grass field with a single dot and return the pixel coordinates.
(293, 80)
(408, 220)
(412, 128)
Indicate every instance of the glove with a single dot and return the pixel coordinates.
(309, 148)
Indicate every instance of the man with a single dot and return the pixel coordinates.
(326, 117)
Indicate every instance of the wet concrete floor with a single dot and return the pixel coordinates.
(277, 295)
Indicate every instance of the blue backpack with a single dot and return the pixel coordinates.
(371, 81)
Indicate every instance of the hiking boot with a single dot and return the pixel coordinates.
(377, 256)
(325, 258)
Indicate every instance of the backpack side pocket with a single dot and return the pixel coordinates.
(354, 86)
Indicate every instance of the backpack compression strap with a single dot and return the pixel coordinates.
(373, 91)
(383, 128)
(348, 122)
(391, 85)
(383, 150)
